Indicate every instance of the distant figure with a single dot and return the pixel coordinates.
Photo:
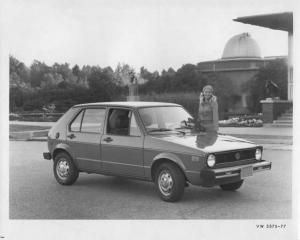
(271, 89)
(208, 116)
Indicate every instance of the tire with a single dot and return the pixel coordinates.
(64, 170)
(232, 186)
(169, 182)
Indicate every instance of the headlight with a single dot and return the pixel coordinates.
(211, 160)
(258, 154)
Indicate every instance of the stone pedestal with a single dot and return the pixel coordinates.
(133, 98)
(133, 94)
(272, 109)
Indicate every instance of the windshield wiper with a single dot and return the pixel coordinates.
(185, 127)
(160, 130)
(167, 130)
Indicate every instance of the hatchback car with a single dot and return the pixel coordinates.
(149, 141)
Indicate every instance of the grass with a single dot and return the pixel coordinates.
(21, 128)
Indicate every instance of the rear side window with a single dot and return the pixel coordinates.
(93, 120)
(89, 121)
(75, 125)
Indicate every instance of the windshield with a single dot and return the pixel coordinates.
(163, 119)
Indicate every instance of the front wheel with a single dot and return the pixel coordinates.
(169, 182)
(65, 171)
(232, 186)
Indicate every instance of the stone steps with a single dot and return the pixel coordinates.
(286, 118)
(283, 121)
(279, 125)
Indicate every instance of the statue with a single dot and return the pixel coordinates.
(271, 89)
(133, 87)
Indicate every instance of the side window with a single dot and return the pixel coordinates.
(118, 122)
(134, 128)
(93, 120)
(75, 125)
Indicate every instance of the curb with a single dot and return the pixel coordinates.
(252, 136)
(28, 135)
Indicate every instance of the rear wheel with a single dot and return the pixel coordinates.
(65, 171)
(232, 186)
(169, 182)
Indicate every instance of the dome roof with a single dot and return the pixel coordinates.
(241, 46)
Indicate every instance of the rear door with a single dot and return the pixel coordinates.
(83, 135)
(122, 144)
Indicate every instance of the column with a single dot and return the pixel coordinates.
(290, 66)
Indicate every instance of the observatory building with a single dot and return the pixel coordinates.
(241, 60)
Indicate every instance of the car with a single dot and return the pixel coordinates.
(149, 141)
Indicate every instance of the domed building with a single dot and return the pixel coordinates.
(241, 60)
(241, 46)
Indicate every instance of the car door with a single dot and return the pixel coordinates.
(122, 144)
(84, 135)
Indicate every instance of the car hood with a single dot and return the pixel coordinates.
(208, 142)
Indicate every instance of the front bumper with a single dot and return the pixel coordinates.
(218, 176)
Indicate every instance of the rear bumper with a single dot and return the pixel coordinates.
(211, 177)
(47, 155)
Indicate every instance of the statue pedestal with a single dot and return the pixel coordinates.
(133, 98)
(273, 108)
(133, 93)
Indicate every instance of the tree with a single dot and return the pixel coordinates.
(188, 78)
(37, 72)
(101, 85)
(224, 90)
(122, 74)
(76, 70)
(276, 71)
(147, 75)
(65, 71)
(18, 73)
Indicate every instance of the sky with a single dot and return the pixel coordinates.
(156, 34)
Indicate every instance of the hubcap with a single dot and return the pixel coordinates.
(165, 183)
(62, 168)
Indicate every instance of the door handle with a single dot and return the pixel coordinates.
(71, 136)
(108, 139)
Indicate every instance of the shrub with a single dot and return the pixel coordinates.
(242, 121)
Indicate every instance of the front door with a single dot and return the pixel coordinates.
(84, 135)
(122, 145)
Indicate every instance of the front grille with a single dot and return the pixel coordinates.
(231, 156)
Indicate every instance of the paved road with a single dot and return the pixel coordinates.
(34, 193)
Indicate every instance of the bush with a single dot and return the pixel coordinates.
(242, 121)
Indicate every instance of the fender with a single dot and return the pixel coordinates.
(65, 147)
(170, 156)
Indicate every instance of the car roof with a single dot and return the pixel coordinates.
(133, 104)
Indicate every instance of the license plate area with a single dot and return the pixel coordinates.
(246, 172)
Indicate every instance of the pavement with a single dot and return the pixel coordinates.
(34, 194)
(272, 138)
